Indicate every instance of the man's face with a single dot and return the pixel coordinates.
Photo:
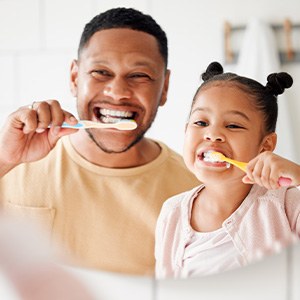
(120, 74)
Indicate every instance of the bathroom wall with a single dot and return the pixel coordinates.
(38, 39)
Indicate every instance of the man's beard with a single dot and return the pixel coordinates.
(107, 150)
(134, 142)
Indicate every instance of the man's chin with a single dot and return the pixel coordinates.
(114, 147)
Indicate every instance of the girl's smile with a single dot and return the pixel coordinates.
(223, 119)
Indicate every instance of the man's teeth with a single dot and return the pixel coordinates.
(115, 113)
(110, 119)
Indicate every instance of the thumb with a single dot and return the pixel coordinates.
(56, 133)
(247, 180)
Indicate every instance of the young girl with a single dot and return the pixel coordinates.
(232, 218)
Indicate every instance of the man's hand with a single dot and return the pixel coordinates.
(26, 136)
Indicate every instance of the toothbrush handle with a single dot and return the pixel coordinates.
(79, 125)
(284, 181)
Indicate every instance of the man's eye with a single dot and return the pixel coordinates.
(201, 123)
(99, 73)
(140, 76)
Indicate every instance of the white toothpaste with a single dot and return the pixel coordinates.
(209, 156)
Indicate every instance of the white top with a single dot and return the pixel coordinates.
(264, 223)
(208, 253)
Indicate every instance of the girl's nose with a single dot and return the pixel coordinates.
(117, 89)
(214, 136)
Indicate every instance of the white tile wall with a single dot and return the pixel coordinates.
(64, 22)
(7, 71)
(19, 23)
(45, 76)
(143, 5)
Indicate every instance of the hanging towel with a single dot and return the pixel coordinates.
(258, 57)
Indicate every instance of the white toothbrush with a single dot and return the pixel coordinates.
(121, 125)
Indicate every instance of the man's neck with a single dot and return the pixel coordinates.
(140, 154)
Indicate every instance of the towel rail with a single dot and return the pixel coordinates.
(288, 55)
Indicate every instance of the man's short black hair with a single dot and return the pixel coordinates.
(125, 18)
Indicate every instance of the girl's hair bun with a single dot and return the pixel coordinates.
(278, 82)
(213, 69)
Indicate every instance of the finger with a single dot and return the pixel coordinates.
(250, 168)
(57, 114)
(257, 171)
(44, 117)
(274, 180)
(247, 180)
(27, 119)
(50, 114)
(56, 125)
(265, 177)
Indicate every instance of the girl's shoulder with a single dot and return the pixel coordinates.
(181, 199)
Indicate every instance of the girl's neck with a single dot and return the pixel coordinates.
(215, 204)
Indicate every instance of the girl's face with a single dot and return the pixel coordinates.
(224, 119)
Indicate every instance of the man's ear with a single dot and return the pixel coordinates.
(74, 77)
(164, 94)
(269, 142)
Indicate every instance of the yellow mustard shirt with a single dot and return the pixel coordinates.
(103, 218)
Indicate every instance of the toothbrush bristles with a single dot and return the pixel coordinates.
(214, 156)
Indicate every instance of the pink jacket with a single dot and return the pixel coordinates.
(265, 221)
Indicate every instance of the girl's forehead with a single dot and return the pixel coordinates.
(224, 94)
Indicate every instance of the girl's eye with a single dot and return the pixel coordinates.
(233, 126)
(201, 123)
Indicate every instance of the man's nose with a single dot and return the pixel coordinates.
(117, 88)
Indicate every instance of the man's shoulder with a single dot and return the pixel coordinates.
(171, 155)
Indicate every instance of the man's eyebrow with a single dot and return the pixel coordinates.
(141, 63)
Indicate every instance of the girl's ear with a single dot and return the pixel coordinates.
(269, 142)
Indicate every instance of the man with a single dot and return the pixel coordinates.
(98, 192)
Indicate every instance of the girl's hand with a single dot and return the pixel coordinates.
(25, 137)
(266, 169)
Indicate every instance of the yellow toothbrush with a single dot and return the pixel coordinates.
(217, 156)
(121, 125)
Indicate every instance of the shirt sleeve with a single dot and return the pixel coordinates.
(159, 241)
(293, 209)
